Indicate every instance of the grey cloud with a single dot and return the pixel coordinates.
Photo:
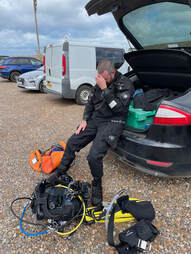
(55, 20)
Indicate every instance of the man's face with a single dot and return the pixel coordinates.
(108, 77)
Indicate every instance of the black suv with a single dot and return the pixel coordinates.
(157, 137)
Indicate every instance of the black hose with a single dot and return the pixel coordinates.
(19, 218)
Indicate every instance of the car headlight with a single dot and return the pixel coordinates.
(31, 80)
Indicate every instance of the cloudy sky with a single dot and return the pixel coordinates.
(56, 19)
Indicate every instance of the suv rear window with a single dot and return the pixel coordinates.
(19, 61)
(35, 62)
(115, 55)
(160, 25)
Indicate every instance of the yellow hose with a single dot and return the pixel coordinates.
(84, 212)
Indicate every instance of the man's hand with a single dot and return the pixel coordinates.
(82, 127)
(100, 81)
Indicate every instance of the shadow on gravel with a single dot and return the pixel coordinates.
(61, 100)
(29, 91)
(166, 181)
(150, 179)
(6, 81)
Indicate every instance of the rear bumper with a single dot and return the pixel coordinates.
(176, 170)
(155, 157)
(52, 91)
(4, 75)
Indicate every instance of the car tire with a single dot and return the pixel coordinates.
(41, 87)
(14, 76)
(82, 94)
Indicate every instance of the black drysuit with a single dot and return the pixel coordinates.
(105, 114)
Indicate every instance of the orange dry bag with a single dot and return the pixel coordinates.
(48, 160)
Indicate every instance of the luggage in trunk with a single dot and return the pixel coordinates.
(161, 74)
(139, 119)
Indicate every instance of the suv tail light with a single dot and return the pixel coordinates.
(63, 65)
(3, 67)
(168, 115)
(158, 163)
(44, 64)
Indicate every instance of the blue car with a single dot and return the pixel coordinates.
(12, 67)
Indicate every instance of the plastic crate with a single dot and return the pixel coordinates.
(139, 119)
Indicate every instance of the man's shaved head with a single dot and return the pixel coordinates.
(105, 65)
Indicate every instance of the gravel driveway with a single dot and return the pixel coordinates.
(30, 120)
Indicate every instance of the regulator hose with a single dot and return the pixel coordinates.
(22, 230)
(83, 215)
(46, 225)
(19, 218)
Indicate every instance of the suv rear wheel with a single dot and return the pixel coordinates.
(14, 76)
(82, 94)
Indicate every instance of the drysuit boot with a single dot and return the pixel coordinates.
(61, 169)
(97, 195)
(59, 178)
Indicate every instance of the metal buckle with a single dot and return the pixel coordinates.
(144, 245)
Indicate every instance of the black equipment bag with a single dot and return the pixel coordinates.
(139, 210)
(136, 238)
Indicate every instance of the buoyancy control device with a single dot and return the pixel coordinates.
(59, 204)
(66, 203)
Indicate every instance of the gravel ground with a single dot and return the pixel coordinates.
(30, 120)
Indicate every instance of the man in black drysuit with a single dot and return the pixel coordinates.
(103, 123)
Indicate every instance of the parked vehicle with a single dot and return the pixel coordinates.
(32, 80)
(2, 58)
(157, 142)
(71, 68)
(12, 67)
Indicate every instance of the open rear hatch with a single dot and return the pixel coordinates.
(157, 68)
(162, 74)
(149, 22)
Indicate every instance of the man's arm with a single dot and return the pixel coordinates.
(81, 127)
(89, 108)
(119, 101)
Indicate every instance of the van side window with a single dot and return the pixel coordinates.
(115, 55)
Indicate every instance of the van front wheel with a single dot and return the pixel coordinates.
(82, 94)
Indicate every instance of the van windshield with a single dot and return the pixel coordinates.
(161, 25)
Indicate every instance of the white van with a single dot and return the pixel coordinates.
(70, 68)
